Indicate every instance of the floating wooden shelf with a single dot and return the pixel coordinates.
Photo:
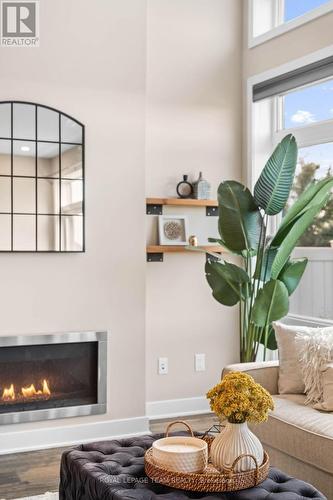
(155, 252)
(185, 202)
(180, 248)
(154, 206)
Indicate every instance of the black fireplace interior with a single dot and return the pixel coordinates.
(37, 377)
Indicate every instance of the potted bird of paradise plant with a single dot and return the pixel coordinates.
(268, 274)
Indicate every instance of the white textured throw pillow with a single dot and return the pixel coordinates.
(315, 352)
(290, 371)
(327, 380)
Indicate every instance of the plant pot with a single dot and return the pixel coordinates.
(235, 440)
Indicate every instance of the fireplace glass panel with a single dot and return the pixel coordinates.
(37, 377)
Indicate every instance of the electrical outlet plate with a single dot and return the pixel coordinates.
(200, 362)
(163, 366)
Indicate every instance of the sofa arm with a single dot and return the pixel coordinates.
(265, 373)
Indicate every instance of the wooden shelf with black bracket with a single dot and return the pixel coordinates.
(154, 206)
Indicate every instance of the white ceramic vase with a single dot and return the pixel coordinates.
(235, 440)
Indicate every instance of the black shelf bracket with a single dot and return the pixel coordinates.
(155, 257)
(211, 258)
(212, 211)
(154, 209)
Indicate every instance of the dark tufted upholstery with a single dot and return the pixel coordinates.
(114, 470)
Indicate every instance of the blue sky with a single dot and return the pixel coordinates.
(305, 107)
(309, 105)
(295, 8)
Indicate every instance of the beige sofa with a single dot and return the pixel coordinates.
(298, 438)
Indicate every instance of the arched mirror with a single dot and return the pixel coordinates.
(41, 179)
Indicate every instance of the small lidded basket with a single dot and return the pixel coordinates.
(180, 453)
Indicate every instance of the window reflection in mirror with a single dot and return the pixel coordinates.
(71, 233)
(24, 233)
(5, 157)
(5, 120)
(71, 161)
(5, 232)
(71, 131)
(24, 121)
(5, 195)
(24, 158)
(48, 159)
(48, 233)
(47, 125)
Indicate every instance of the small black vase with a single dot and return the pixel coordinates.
(184, 188)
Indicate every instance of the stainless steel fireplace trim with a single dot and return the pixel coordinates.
(53, 338)
(68, 411)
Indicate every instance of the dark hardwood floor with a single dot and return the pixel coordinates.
(34, 473)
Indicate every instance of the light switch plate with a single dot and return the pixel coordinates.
(200, 362)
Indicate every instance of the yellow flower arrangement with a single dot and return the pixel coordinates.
(239, 398)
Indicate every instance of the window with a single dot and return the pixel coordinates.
(295, 8)
(270, 18)
(315, 162)
(307, 112)
(308, 105)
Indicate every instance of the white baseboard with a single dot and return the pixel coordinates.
(177, 407)
(68, 435)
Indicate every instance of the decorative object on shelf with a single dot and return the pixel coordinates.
(173, 229)
(331, 243)
(239, 399)
(263, 289)
(181, 453)
(184, 188)
(201, 189)
(193, 241)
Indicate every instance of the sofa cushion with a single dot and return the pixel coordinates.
(290, 373)
(299, 431)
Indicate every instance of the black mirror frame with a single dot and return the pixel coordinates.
(36, 177)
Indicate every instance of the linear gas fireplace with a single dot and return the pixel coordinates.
(52, 376)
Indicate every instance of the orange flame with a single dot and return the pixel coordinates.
(46, 389)
(8, 394)
(26, 392)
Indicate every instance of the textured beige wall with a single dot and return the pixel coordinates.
(296, 43)
(193, 123)
(90, 64)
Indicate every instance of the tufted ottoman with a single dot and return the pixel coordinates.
(115, 470)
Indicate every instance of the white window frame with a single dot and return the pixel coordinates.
(306, 136)
(279, 27)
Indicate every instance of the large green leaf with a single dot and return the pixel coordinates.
(292, 273)
(291, 239)
(266, 266)
(227, 281)
(239, 217)
(271, 303)
(272, 189)
(271, 339)
(224, 245)
(314, 195)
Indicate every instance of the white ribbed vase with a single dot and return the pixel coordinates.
(235, 440)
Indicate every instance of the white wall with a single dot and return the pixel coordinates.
(193, 124)
(90, 64)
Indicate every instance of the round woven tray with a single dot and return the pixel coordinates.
(211, 480)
